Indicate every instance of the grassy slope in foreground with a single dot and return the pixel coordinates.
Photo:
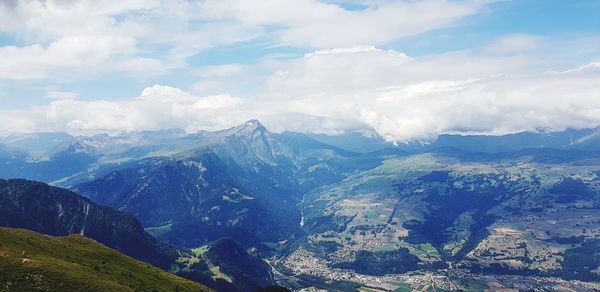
(76, 263)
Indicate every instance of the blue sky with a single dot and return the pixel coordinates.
(552, 19)
(401, 68)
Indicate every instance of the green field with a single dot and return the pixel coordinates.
(32, 261)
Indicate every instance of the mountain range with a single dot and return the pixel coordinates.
(321, 208)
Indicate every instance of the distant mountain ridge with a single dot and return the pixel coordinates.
(242, 182)
(584, 139)
(449, 203)
(45, 145)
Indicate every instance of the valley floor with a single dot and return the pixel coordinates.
(305, 271)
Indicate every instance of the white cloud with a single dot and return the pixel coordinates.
(358, 70)
(58, 94)
(406, 98)
(346, 83)
(74, 39)
(158, 107)
(493, 106)
(309, 23)
(400, 107)
(593, 66)
(73, 55)
(54, 19)
(162, 93)
(514, 43)
(217, 102)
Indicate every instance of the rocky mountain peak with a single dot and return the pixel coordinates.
(249, 129)
(250, 126)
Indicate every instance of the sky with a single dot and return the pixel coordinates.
(408, 70)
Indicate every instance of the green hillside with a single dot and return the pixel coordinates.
(32, 261)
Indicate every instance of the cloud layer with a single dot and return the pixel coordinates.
(337, 77)
(321, 25)
(400, 97)
(151, 36)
